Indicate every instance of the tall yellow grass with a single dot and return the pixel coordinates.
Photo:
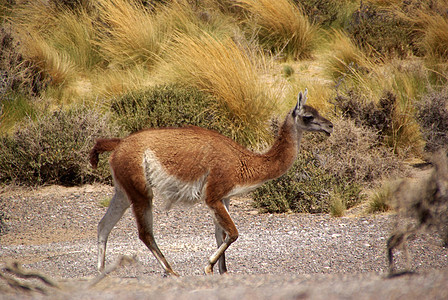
(128, 33)
(344, 58)
(60, 42)
(222, 69)
(282, 26)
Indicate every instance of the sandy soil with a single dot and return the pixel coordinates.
(52, 230)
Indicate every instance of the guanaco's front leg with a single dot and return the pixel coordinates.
(222, 219)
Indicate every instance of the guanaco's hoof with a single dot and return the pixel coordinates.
(208, 269)
(171, 273)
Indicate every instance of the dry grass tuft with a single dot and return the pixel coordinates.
(345, 59)
(282, 27)
(128, 33)
(220, 68)
(435, 38)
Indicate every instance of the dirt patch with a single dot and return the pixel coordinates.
(286, 256)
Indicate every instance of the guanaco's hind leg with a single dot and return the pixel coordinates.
(223, 219)
(118, 205)
(143, 211)
(220, 235)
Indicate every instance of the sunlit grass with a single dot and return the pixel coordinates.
(58, 42)
(109, 83)
(128, 33)
(345, 59)
(222, 69)
(282, 27)
(13, 108)
(435, 39)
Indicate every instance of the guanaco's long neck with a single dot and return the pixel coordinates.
(279, 158)
(284, 151)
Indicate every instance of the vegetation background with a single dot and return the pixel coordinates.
(73, 71)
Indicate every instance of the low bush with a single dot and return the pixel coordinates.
(166, 106)
(364, 112)
(432, 115)
(320, 12)
(382, 33)
(392, 115)
(53, 149)
(329, 170)
(306, 187)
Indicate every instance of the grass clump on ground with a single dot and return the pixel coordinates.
(381, 198)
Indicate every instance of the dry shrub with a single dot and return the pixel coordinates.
(356, 152)
(364, 112)
(421, 206)
(380, 32)
(54, 148)
(392, 116)
(432, 113)
(16, 74)
(330, 172)
(320, 12)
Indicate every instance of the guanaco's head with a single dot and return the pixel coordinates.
(307, 118)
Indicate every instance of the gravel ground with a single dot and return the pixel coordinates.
(287, 256)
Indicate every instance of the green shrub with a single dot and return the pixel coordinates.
(166, 106)
(53, 149)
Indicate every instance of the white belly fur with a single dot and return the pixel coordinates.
(242, 189)
(172, 189)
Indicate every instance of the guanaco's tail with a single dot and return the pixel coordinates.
(102, 145)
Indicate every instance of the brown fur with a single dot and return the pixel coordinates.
(102, 145)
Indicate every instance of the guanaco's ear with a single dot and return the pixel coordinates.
(301, 99)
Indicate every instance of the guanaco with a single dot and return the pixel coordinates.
(192, 164)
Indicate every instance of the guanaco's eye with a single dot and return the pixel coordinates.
(307, 119)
